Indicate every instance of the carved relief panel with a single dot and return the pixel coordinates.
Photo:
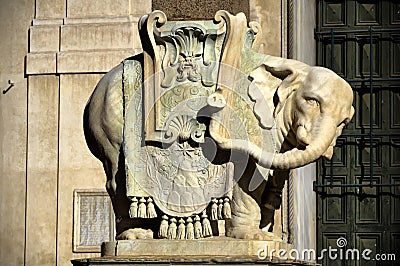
(180, 70)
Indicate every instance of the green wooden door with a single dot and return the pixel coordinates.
(357, 39)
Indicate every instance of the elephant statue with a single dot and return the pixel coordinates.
(303, 107)
(310, 105)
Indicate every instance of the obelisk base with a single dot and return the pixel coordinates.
(217, 250)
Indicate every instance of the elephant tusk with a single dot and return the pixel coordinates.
(328, 153)
(302, 136)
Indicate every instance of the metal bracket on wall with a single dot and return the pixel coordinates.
(11, 84)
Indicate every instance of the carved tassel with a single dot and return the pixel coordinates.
(151, 211)
(162, 233)
(189, 228)
(197, 228)
(142, 208)
(172, 229)
(227, 209)
(181, 233)
(133, 208)
(220, 205)
(207, 230)
(214, 211)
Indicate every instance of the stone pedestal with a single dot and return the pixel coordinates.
(218, 250)
(183, 261)
(199, 248)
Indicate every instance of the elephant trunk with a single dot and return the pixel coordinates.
(320, 143)
(290, 159)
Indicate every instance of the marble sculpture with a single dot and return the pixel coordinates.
(201, 127)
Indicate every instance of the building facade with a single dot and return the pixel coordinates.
(53, 54)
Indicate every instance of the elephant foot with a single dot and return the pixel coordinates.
(250, 234)
(135, 233)
(267, 218)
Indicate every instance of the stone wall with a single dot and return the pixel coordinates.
(272, 16)
(55, 52)
(71, 46)
(15, 17)
(305, 203)
(199, 9)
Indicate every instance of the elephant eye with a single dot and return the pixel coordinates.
(312, 102)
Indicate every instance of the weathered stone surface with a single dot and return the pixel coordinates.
(77, 168)
(15, 18)
(42, 171)
(50, 9)
(41, 63)
(78, 37)
(47, 21)
(44, 38)
(90, 61)
(199, 10)
(81, 46)
(218, 260)
(95, 8)
(93, 220)
(201, 248)
(304, 23)
(102, 20)
(271, 18)
(140, 7)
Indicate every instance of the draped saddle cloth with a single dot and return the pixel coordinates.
(168, 156)
(176, 176)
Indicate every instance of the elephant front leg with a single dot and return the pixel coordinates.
(246, 216)
(271, 199)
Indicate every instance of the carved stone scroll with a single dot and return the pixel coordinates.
(180, 65)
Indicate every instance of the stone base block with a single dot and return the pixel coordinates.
(182, 262)
(217, 250)
(217, 246)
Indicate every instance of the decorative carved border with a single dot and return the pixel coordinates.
(290, 21)
(169, 58)
(79, 195)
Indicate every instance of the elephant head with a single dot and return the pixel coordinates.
(310, 108)
(317, 112)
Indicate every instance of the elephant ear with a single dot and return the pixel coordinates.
(350, 116)
(269, 82)
(261, 92)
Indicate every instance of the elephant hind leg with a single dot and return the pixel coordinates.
(90, 134)
(110, 168)
(114, 167)
(107, 152)
(103, 131)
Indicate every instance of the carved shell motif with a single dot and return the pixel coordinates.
(184, 127)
